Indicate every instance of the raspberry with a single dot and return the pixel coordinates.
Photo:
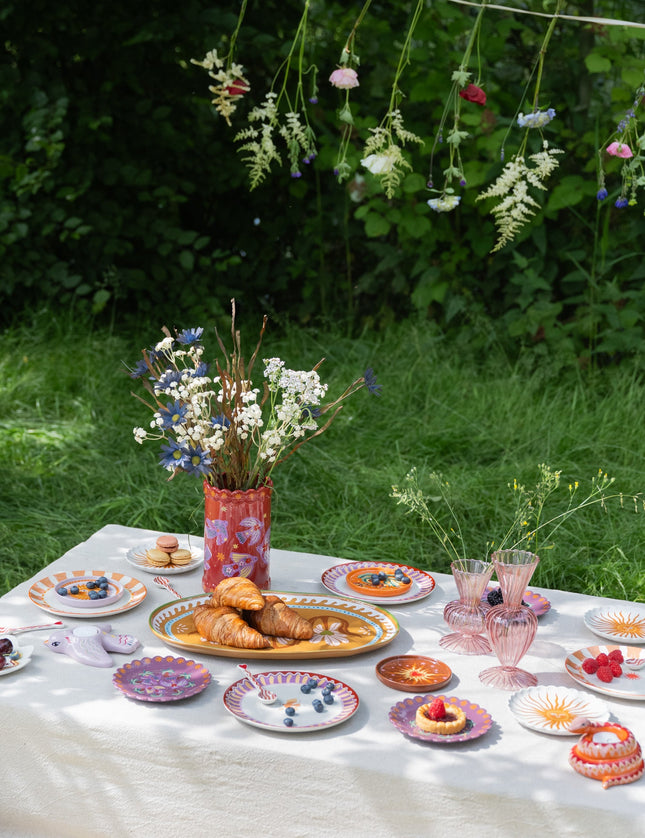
(436, 710)
(616, 669)
(616, 656)
(590, 665)
(602, 659)
(605, 674)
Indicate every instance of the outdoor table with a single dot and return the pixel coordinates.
(81, 759)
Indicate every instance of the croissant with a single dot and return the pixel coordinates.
(238, 592)
(223, 624)
(277, 619)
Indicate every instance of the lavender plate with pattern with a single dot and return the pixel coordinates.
(334, 579)
(294, 711)
(536, 602)
(403, 715)
(161, 678)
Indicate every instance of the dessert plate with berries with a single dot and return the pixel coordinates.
(378, 582)
(551, 709)
(536, 602)
(624, 624)
(605, 669)
(125, 593)
(404, 717)
(306, 701)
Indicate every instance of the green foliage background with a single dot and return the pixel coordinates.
(121, 190)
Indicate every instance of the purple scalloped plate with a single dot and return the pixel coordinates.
(539, 604)
(334, 579)
(161, 678)
(403, 715)
(242, 701)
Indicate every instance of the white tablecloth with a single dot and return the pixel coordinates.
(81, 759)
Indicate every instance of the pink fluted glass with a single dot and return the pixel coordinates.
(511, 626)
(465, 616)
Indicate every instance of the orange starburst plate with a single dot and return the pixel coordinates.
(413, 673)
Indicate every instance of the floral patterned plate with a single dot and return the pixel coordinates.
(136, 556)
(413, 673)
(551, 709)
(241, 700)
(539, 604)
(335, 580)
(342, 627)
(161, 678)
(43, 594)
(403, 716)
(19, 658)
(624, 623)
(630, 684)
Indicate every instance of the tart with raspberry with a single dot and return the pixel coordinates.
(437, 718)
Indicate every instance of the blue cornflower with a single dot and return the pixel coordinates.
(173, 414)
(140, 369)
(309, 412)
(190, 336)
(537, 119)
(201, 370)
(370, 382)
(601, 194)
(198, 461)
(167, 379)
(220, 420)
(174, 455)
(621, 203)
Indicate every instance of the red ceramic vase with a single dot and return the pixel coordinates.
(237, 530)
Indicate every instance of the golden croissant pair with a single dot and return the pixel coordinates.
(239, 615)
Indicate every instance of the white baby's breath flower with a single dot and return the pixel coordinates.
(140, 434)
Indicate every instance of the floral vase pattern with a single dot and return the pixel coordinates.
(511, 626)
(466, 615)
(237, 532)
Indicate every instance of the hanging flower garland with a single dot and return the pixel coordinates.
(627, 146)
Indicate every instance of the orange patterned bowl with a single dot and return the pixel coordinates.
(362, 581)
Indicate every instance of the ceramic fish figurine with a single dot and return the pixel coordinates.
(607, 752)
(90, 644)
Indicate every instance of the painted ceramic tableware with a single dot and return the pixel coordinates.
(629, 685)
(241, 700)
(136, 556)
(403, 716)
(342, 627)
(551, 709)
(82, 599)
(20, 656)
(43, 594)
(621, 624)
(335, 580)
(535, 601)
(413, 673)
(161, 678)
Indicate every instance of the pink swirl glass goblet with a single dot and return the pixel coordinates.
(511, 626)
(465, 616)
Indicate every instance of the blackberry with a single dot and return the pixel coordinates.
(495, 597)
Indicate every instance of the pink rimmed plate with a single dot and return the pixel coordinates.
(335, 580)
(43, 594)
(403, 715)
(539, 604)
(629, 685)
(551, 709)
(161, 678)
(242, 701)
(624, 623)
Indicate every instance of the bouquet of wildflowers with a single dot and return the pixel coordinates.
(214, 422)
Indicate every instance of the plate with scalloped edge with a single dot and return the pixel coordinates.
(551, 709)
(403, 715)
(335, 580)
(629, 685)
(620, 623)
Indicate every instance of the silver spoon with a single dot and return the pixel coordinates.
(264, 695)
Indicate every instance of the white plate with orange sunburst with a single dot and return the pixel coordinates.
(551, 709)
(624, 623)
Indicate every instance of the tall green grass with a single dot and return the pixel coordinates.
(70, 464)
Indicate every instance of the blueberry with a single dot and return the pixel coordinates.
(104, 585)
(101, 594)
(374, 579)
(305, 688)
(288, 721)
(61, 591)
(290, 711)
(317, 705)
(73, 589)
(313, 683)
(405, 579)
(326, 689)
(328, 698)
(89, 585)
(93, 595)
(382, 576)
(398, 573)
(101, 579)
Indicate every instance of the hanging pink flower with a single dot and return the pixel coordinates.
(472, 93)
(344, 78)
(238, 87)
(619, 150)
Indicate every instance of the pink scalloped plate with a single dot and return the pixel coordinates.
(335, 580)
(403, 715)
(161, 678)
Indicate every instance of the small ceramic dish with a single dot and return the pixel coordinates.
(17, 658)
(413, 673)
(378, 582)
(77, 592)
